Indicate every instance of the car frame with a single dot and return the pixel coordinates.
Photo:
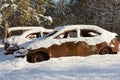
(29, 35)
(84, 41)
(16, 31)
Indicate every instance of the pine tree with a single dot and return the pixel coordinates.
(25, 12)
(105, 13)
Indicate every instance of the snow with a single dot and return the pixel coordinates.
(65, 1)
(23, 28)
(20, 52)
(14, 6)
(1, 19)
(94, 67)
(46, 18)
(4, 6)
(40, 29)
(56, 0)
(105, 36)
(49, 18)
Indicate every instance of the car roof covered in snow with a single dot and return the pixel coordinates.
(36, 30)
(24, 28)
(105, 36)
(71, 27)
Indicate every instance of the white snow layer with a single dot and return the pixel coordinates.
(95, 67)
(4, 6)
(23, 28)
(105, 36)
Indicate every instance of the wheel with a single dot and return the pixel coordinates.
(106, 50)
(37, 57)
(114, 52)
(29, 58)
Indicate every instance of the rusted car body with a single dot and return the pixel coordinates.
(73, 40)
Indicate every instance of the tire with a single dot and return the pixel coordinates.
(105, 50)
(114, 53)
(37, 57)
(29, 58)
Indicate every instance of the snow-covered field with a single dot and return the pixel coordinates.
(95, 67)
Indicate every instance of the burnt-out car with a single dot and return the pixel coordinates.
(73, 40)
(15, 42)
(15, 31)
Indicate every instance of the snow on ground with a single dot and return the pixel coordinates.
(95, 67)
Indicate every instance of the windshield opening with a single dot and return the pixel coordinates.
(52, 33)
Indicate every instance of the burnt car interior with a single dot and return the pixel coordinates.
(68, 34)
(36, 35)
(83, 33)
(15, 32)
(33, 35)
(89, 33)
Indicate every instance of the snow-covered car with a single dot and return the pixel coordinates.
(72, 40)
(16, 31)
(14, 42)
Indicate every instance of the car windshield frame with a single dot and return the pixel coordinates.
(50, 34)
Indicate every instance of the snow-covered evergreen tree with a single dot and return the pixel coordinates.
(24, 12)
(105, 13)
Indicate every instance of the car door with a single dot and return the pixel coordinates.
(84, 47)
(67, 44)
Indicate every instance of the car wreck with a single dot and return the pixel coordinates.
(73, 40)
(15, 31)
(14, 42)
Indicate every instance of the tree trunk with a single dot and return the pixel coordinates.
(5, 30)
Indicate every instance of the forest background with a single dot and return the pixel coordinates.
(53, 13)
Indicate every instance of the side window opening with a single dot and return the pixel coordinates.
(68, 34)
(38, 34)
(33, 35)
(72, 34)
(89, 33)
(15, 32)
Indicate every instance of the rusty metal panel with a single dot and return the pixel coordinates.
(75, 49)
(115, 42)
(83, 49)
(65, 49)
(101, 46)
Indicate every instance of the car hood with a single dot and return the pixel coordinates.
(16, 40)
(25, 44)
(43, 42)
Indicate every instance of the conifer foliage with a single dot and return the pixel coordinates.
(32, 12)
(104, 13)
(23, 12)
